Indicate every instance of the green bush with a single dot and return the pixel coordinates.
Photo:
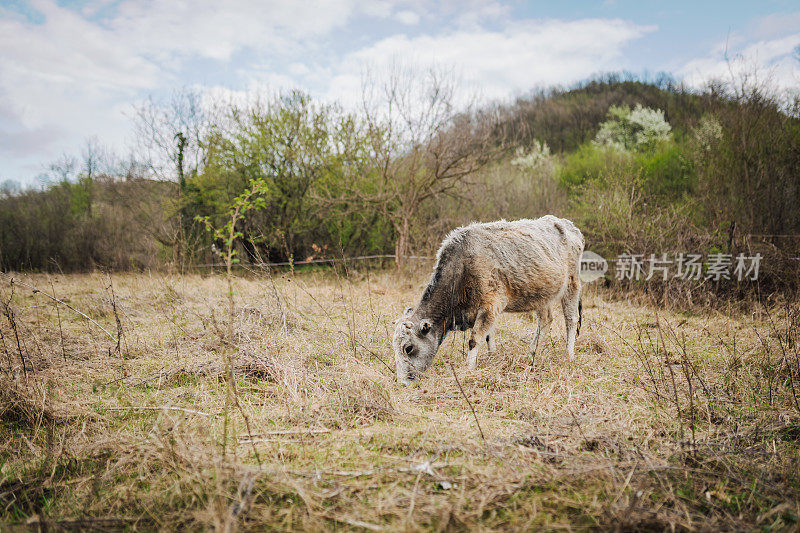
(591, 163)
(305, 153)
(667, 171)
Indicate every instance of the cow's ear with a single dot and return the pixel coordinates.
(406, 314)
(424, 327)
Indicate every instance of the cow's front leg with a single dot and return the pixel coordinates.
(490, 340)
(484, 323)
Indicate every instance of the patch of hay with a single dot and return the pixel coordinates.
(256, 366)
(30, 405)
(353, 403)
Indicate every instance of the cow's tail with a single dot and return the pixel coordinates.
(580, 315)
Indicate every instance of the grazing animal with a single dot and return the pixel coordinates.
(483, 270)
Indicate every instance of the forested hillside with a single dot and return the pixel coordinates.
(640, 166)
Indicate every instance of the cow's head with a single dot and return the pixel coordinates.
(415, 342)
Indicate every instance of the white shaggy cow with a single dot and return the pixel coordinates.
(483, 270)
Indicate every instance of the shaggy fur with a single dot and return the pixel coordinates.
(483, 270)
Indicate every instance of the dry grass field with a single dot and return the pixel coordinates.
(664, 420)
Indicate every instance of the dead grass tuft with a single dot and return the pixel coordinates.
(358, 402)
(18, 405)
(255, 366)
(29, 404)
(345, 402)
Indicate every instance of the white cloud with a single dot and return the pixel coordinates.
(477, 12)
(66, 55)
(407, 17)
(68, 75)
(378, 9)
(770, 60)
(776, 25)
(59, 81)
(215, 30)
(521, 56)
(299, 70)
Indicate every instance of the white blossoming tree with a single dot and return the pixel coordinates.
(537, 158)
(634, 129)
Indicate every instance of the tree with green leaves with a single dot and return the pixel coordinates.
(308, 154)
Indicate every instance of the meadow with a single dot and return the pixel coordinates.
(137, 402)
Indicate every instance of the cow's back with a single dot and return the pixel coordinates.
(528, 261)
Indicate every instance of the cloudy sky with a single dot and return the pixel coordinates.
(72, 70)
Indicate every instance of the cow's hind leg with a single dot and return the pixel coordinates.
(545, 317)
(484, 324)
(571, 305)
